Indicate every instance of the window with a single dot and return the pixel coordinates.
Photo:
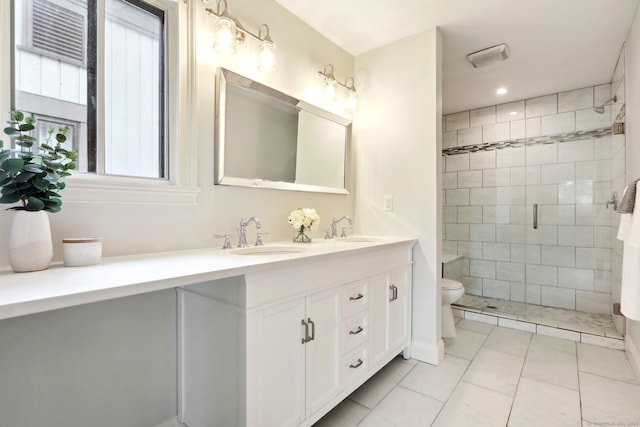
(112, 95)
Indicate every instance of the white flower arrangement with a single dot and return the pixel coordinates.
(303, 220)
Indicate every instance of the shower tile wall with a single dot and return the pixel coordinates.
(488, 197)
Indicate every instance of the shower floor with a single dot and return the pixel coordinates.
(594, 324)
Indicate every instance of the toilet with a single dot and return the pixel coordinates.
(452, 291)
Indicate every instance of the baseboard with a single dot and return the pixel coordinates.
(631, 350)
(428, 353)
(173, 422)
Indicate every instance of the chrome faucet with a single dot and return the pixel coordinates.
(242, 230)
(334, 226)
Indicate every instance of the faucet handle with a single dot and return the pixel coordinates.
(344, 232)
(227, 242)
(259, 237)
(327, 234)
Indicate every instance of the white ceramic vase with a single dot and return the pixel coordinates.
(30, 245)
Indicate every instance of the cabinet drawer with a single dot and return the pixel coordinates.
(355, 365)
(355, 297)
(355, 331)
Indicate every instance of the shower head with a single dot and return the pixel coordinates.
(600, 108)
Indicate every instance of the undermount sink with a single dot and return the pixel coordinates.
(268, 250)
(360, 239)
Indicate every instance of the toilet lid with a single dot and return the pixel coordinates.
(450, 284)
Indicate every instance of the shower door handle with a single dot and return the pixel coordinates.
(535, 216)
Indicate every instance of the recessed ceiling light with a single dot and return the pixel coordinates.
(513, 113)
(501, 91)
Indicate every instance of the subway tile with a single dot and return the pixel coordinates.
(450, 180)
(456, 231)
(470, 136)
(557, 214)
(470, 179)
(602, 281)
(449, 214)
(456, 121)
(567, 193)
(561, 173)
(509, 157)
(596, 170)
(593, 258)
(456, 197)
(593, 215)
(518, 325)
(532, 175)
(541, 154)
(481, 233)
(575, 278)
(496, 289)
(482, 116)
(482, 196)
(514, 195)
(584, 192)
(518, 175)
(618, 165)
(496, 252)
(588, 119)
(602, 148)
(532, 127)
(581, 236)
(482, 318)
(558, 123)
(482, 160)
(457, 162)
(541, 275)
(496, 132)
(483, 269)
(543, 235)
(505, 112)
(602, 192)
(517, 292)
(593, 302)
(495, 177)
(518, 129)
(542, 194)
(518, 215)
(472, 250)
(611, 343)
(510, 271)
(541, 106)
(602, 237)
(559, 297)
(470, 214)
(533, 254)
(575, 151)
(472, 285)
(506, 233)
(558, 333)
(533, 294)
(575, 99)
(518, 253)
(450, 246)
(496, 214)
(561, 256)
(449, 139)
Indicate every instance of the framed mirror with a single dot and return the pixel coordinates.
(267, 139)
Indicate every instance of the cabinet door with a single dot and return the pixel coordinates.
(323, 350)
(378, 315)
(278, 362)
(399, 307)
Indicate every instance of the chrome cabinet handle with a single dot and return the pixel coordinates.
(357, 331)
(394, 293)
(535, 216)
(357, 297)
(357, 365)
(306, 332)
(313, 329)
(391, 289)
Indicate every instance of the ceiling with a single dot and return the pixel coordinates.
(555, 45)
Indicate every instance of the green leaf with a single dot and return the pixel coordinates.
(5, 181)
(41, 184)
(10, 189)
(12, 166)
(62, 185)
(30, 167)
(25, 176)
(25, 144)
(34, 204)
(11, 131)
(30, 120)
(53, 209)
(17, 115)
(26, 127)
(61, 138)
(46, 147)
(10, 198)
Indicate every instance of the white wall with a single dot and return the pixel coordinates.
(133, 228)
(397, 149)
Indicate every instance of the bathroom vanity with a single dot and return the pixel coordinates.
(265, 337)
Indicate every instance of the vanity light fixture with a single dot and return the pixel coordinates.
(228, 32)
(331, 86)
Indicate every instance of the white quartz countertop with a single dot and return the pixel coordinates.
(59, 286)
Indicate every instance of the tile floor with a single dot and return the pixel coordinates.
(494, 376)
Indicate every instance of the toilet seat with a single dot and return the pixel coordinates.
(449, 284)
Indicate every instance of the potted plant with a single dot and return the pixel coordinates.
(32, 177)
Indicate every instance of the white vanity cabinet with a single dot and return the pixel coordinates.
(282, 347)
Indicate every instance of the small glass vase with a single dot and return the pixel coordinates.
(302, 235)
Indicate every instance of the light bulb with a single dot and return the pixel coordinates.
(330, 89)
(224, 34)
(267, 57)
(352, 100)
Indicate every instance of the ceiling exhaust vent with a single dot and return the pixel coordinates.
(489, 56)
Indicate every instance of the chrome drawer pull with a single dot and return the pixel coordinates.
(357, 365)
(306, 332)
(357, 331)
(359, 296)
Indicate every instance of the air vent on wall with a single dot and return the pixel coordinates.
(489, 55)
(58, 30)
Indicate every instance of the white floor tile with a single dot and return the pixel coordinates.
(473, 326)
(403, 407)
(466, 344)
(508, 341)
(552, 360)
(346, 414)
(605, 362)
(543, 404)
(495, 370)
(436, 381)
(474, 406)
(609, 402)
(377, 387)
